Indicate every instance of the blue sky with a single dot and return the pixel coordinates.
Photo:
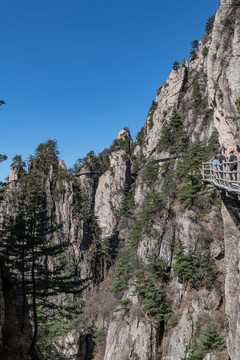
(78, 71)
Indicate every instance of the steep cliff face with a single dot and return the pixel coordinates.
(230, 212)
(205, 93)
(161, 257)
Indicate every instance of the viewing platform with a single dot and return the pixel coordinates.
(225, 176)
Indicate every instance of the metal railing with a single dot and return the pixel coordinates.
(223, 175)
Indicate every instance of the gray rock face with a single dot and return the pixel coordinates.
(223, 75)
(232, 237)
(110, 191)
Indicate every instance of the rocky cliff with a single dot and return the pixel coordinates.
(160, 249)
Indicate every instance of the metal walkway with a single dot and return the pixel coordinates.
(221, 176)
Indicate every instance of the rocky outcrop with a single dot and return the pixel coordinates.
(110, 190)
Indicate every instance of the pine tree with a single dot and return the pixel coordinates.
(175, 65)
(209, 24)
(190, 170)
(30, 245)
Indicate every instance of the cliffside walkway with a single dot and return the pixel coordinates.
(221, 176)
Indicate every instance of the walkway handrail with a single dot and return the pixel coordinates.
(225, 175)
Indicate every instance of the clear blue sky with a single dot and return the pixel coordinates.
(78, 71)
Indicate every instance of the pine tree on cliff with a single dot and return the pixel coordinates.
(30, 243)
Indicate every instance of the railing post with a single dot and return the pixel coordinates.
(210, 170)
(226, 174)
(222, 173)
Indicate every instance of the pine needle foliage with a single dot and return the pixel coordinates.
(209, 24)
(210, 340)
(157, 268)
(31, 243)
(173, 136)
(127, 203)
(150, 173)
(140, 138)
(176, 65)
(3, 157)
(153, 300)
(205, 51)
(46, 155)
(153, 202)
(98, 336)
(151, 112)
(124, 270)
(168, 189)
(194, 266)
(189, 168)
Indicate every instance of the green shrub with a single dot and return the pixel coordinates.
(205, 51)
(176, 65)
(151, 112)
(189, 169)
(175, 120)
(104, 160)
(153, 300)
(46, 155)
(3, 157)
(173, 321)
(124, 269)
(150, 172)
(91, 224)
(140, 138)
(197, 95)
(169, 180)
(138, 162)
(127, 203)
(58, 191)
(152, 203)
(158, 268)
(209, 24)
(135, 356)
(105, 246)
(173, 137)
(136, 233)
(196, 353)
(98, 336)
(199, 102)
(193, 55)
(195, 44)
(57, 323)
(83, 209)
(194, 265)
(210, 340)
